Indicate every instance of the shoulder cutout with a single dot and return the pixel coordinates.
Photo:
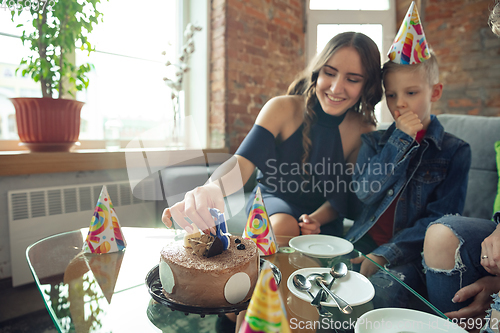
(281, 113)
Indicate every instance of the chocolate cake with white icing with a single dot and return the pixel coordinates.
(189, 277)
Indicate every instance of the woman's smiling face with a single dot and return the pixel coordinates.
(340, 81)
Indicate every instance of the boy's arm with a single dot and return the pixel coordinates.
(407, 244)
(376, 172)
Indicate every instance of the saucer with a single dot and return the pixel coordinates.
(354, 288)
(321, 246)
(394, 320)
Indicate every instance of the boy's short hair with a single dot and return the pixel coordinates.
(430, 67)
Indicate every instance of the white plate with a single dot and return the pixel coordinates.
(321, 246)
(393, 320)
(354, 288)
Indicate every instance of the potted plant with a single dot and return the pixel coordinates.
(48, 123)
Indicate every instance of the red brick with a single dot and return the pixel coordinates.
(263, 56)
(255, 13)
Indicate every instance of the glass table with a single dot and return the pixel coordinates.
(108, 293)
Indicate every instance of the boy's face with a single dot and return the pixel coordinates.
(409, 91)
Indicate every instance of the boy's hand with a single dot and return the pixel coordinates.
(408, 122)
(367, 267)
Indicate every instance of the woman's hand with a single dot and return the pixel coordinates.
(309, 225)
(490, 248)
(367, 267)
(195, 206)
(481, 290)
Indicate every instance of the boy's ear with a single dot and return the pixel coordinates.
(437, 92)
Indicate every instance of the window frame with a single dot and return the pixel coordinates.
(387, 18)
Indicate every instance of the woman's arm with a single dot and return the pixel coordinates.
(277, 117)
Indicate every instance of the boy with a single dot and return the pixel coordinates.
(415, 171)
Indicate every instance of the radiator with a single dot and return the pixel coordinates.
(41, 212)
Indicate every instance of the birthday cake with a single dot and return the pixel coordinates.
(191, 274)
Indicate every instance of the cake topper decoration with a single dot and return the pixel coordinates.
(195, 233)
(410, 45)
(259, 229)
(221, 227)
(266, 311)
(206, 245)
(105, 234)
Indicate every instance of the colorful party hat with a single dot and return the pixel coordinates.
(410, 46)
(105, 234)
(258, 227)
(266, 311)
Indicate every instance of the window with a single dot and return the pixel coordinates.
(349, 5)
(376, 19)
(127, 95)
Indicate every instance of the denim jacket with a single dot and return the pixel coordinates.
(430, 178)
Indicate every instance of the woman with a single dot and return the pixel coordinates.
(303, 144)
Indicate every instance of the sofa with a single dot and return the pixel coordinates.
(480, 132)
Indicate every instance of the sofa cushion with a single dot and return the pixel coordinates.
(481, 133)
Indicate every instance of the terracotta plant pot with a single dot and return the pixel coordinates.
(46, 124)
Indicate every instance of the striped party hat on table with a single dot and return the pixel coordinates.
(266, 311)
(105, 233)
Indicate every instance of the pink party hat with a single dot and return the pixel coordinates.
(410, 46)
(266, 311)
(258, 227)
(105, 234)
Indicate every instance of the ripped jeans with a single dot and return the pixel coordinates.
(493, 323)
(392, 294)
(443, 284)
(389, 293)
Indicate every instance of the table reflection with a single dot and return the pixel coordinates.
(107, 293)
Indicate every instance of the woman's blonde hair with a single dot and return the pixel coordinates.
(305, 84)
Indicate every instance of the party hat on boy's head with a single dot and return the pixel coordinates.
(258, 227)
(266, 311)
(105, 234)
(410, 46)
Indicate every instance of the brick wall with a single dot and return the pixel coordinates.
(257, 49)
(468, 54)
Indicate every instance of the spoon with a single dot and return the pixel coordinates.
(312, 278)
(338, 271)
(301, 283)
(343, 305)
